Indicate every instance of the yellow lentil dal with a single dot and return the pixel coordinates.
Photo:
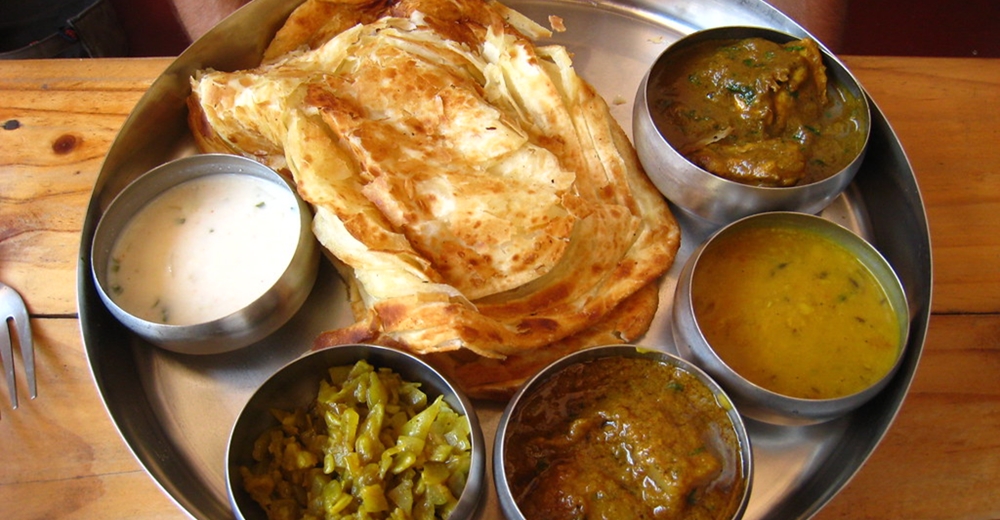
(794, 312)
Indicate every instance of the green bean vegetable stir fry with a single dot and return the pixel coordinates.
(369, 447)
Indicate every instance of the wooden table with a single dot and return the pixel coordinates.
(60, 456)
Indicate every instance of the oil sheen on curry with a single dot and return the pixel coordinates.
(624, 438)
(758, 112)
(795, 312)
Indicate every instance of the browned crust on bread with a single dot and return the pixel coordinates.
(482, 203)
(497, 379)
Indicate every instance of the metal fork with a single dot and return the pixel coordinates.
(13, 310)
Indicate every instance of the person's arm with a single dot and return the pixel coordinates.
(823, 18)
(198, 16)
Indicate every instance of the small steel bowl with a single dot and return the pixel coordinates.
(752, 400)
(258, 318)
(296, 385)
(709, 196)
(738, 460)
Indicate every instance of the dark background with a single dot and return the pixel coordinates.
(923, 28)
(874, 27)
(966, 28)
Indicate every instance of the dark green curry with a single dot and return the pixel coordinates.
(758, 112)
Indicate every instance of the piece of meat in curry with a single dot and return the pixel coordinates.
(758, 112)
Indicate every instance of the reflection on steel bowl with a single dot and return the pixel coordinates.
(800, 319)
(619, 432)
(736, 120)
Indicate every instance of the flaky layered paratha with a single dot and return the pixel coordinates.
(481, 202)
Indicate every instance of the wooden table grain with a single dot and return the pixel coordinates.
(61, 457)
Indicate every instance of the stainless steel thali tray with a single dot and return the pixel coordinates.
(175, 411)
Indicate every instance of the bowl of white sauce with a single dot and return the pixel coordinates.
(205, 254)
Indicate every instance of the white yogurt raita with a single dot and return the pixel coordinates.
(204, 249)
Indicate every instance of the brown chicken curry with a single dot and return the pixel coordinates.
(758, 112)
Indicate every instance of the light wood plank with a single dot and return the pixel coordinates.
(941, 458)
(944, 112)
(67, 114)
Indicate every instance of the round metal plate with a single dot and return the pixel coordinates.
(175, 411)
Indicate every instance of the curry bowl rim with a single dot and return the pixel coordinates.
(687, 185)
(737, 425)
(758, 402)
(777, 36)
